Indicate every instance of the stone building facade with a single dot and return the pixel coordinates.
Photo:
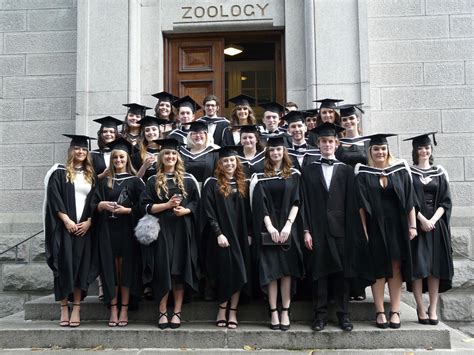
(65, 62)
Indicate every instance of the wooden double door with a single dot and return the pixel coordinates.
(195, 65)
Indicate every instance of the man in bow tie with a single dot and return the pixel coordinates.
(330, 217)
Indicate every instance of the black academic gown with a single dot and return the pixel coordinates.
(180, 134)
(351, 153)
(369, 193)
(115, 236)
(253, 165)
(229, 268)
(228, 137)
(331, 215)
(432, 251)
(217, 126)
(172, 258)
(201, 165)
(137, 162)
(68, 256)
(303, 156)
(274, 262)
(98, 160)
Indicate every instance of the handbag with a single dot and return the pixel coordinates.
(147, 229)
(268, 241)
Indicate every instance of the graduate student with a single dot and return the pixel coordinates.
(215, 124)
(131, 124)
(242, 115)
(116, 201)
(187, 108)
(327, 111)
(300, 151)
(67, 223)
(226, 205)
(386, 207)
(164, 110)
(252, 153)
(170, 262)
(108, 132)
(331, 232)
(431, 249)
(275, 202)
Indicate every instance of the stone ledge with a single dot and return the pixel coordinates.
(30, 277)
(457, 305)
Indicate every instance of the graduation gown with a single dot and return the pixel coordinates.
(216, 127)
(115, 236)
(303, 156)
(229, 267)
(331, 214)
(137, 162)
(351, 153)
(274, 197)
(174, 253)
(180, 134)
(228, 137)
(384, 228)
(432, 251)
(68, 256)
(99, 158)
(201, 165)
(253, 165)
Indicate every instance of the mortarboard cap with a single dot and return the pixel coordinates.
(327, 129)
(197, 126)
(349, 109)
(379, 138)
(422, 139)
(312, 112)
(120, 144)
(152, 121)
(273, 107)
(136, 109)
(248, 128)
(187, 101)
(168, 143)
(294, 116)
(275, 140)
(328, 103)
(79, 140)
(108, 121)
(165, 96)
(228, 151)
(242, 100)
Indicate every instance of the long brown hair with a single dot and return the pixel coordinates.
(337, 118)
(112, 173)
(223, 182)
(86, 164)
(234, 119)
(178, 178)
(100, 140)
(286, 164)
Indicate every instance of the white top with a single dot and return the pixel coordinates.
(107, 158)
(327, 172)
(81, 189)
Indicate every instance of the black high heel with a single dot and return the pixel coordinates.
(123, 323)
(231, 324)
(285, 327)
(64, 323)
(423, 321)
(394, 325)
(176, 325)
(432, 321)
(273, 326)
(74, 324)
(221, 323)
(112, 324)
(383, 325)
(163, 325)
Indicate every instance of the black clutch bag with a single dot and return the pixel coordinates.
(124, 198)
(268, 241)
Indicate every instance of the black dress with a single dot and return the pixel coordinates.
(137, 162)
(201, 165)
(68, 256)
(351, 153)
(387, 216)
(229, 267)
(115, 236)
(274, 197)
(432, 251)
(172, 258)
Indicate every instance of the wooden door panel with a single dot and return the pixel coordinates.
(195, 59)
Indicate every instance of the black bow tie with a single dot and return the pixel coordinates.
(302, 146)
(328, 161)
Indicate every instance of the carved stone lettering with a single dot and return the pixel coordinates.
(228, 11)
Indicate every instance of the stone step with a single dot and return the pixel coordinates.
(45, 308)
(457, 305)
(17, 333)
(463, 273)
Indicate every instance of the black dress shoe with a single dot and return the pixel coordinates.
(432, 321)
(318, 325)
(423, 321)
(383, 325)
(394, 325)
(345, 323)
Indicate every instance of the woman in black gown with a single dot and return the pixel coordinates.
(431, 250)
(131, 125)
(253, 153)
(225, 203)
(164, 110)
(107, 133)
(67, 222)
(116, 201)
(242, 114)
(385, 194)
(170, 262)
(275, 204)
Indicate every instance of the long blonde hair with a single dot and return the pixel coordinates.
(178, 178)
(86, 164)
(390, 159)
(112, 173)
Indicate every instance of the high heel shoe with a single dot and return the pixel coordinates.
(64, 323)
(383, 325)
(285, 327)
(394, 325)
(74, 324)
(232, 324)
(423, 321)
(174, 325)
(123, 323)
(163, 325)
(221, 323)
(432, 321)
(273, 326)
(112, 324)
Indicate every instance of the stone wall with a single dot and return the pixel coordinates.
(37, 104)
